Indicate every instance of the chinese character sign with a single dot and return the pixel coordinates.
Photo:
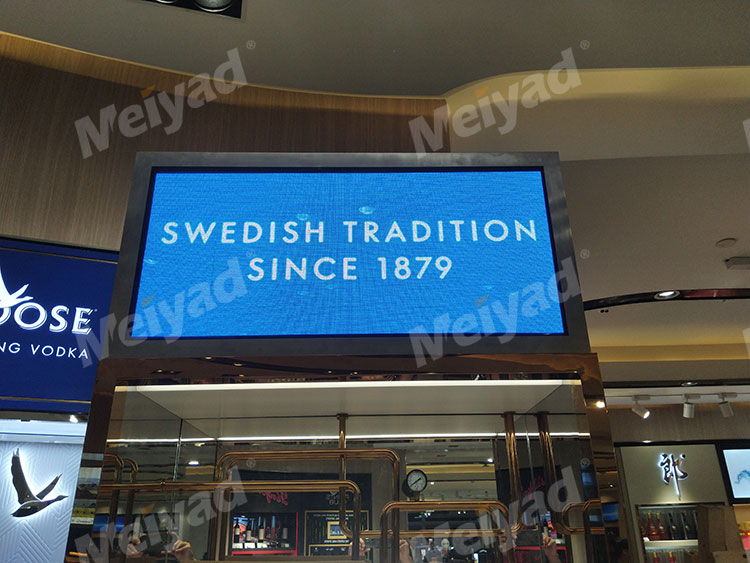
(672, 470)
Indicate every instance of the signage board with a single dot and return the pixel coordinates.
(347, 254)
(52, 301)
(735, 465)
(38, 474)
(672, 474)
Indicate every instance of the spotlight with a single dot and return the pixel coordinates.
(688, 408)
(193, 462)
(725, 407)
(639, 409)
(665, 295)
(600, 404)
(73, 418)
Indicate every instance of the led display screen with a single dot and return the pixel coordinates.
(305, 253)
(736, 462)
(278, 247)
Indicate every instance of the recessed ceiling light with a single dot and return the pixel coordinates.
(726, 242)
(214, 5)
(490, 460)
(664, 295)
(193, 462)
(689, 383)
(600, 404)
(237, 364)
(73, 418)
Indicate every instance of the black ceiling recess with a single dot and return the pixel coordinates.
(231, 8)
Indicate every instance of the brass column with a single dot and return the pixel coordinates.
(514, 475)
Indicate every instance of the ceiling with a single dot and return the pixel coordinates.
(656, 161)
(397, 47)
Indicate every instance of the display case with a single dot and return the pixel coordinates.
(265, 533)
(669, 531)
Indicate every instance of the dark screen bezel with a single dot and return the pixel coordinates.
(573, 340)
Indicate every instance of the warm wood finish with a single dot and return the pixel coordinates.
(48, 191)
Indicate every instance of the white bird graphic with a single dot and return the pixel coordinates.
(30, 503)
(7, 299)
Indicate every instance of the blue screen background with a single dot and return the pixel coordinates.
(483, 271)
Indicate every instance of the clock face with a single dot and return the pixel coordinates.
(416, 481)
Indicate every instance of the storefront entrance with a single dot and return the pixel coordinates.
(464, 467)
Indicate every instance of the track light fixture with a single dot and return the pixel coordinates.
(688, 407)
(638, 408)
(725, 406)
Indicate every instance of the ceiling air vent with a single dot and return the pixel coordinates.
(738, 263)
(231, 8)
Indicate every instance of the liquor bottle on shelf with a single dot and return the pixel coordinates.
(285, 537)
(672, 558)
(268, 530)
(273, 529)
(660, 528)
(236, 533)
(261, 530)
(674, 529)
(651, 530)
(656, 558)
(690, 533)
(643, 526)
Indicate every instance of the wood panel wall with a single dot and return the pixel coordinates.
(49, 192)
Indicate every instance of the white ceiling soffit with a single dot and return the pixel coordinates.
(666, 370)
(357, 398)
(651, 224)
(393, 47)
(603, 114)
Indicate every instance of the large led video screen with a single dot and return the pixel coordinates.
(273, 247)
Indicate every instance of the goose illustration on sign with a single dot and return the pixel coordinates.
(744, 474)
(8, 299)
(30, 503)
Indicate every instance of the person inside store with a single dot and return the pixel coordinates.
(178, 549)
(433, 554)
